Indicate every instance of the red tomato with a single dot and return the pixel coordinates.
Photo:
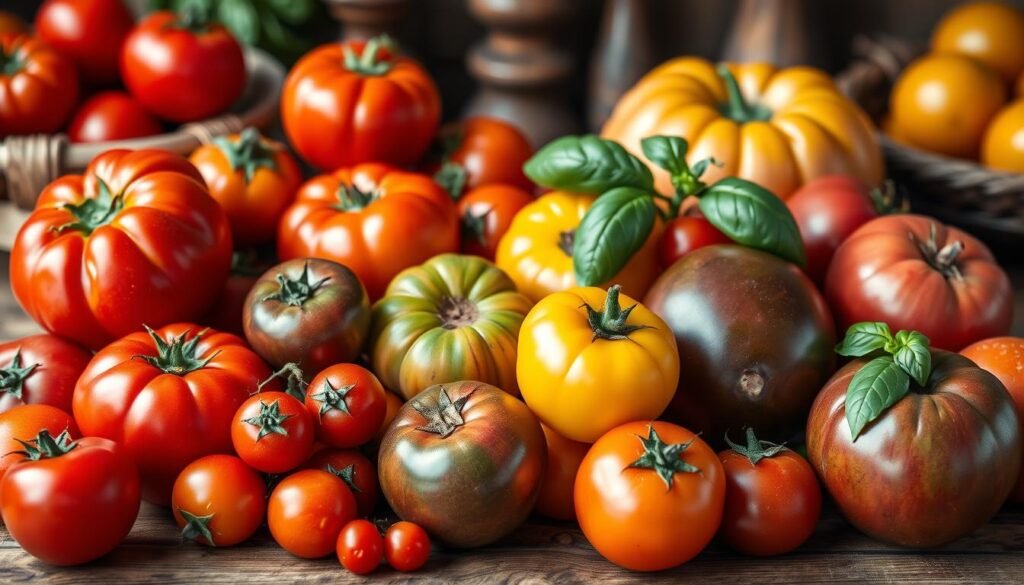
(406, 546)
(359, 101)
(23, 423)
(394, 403)
(372, 218)
(168, 396)
(135, 240)
(218, 500)
(70, 502)
(182, 68)
(827, 210)
(489, 150)
(40, 369)
(358, 473)
(772, 498)
(914, 273)
(486, 214)
(38, 86)
(685, 234)
(111, 115)
(89, 32)
(564, 458)
(360, 547)
(272, 432)
(349, 403)
(226, 312)
(307, 511)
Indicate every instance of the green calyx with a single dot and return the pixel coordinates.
(612, 321)
(193, 17)
(567, 241)
(270, 420)
(452, 178)
(333, 398)
(755, 450)
(351, 198)
(444, 418)
(369, 61)
(94, 212)
(347, 475)
(12, 377)
(295, 381)
(295, 291)
(248, 153)
(197, 527)
(11, 63)
(665, 459)
(474, 226)
(736, 107)
(178, 357)
(46, 446)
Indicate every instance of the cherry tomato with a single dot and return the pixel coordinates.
(111, 115)
(307, 511)
(406, 546)
(89, 32)
(23, 423)
(685, 234)
(564, 458)
(218, 500)
(394, 403)
(488, 150)
(349, 402)
(358, 473)
(772, 498)
(40, 369)
(273, 432)
(360, 547)
(486, 214)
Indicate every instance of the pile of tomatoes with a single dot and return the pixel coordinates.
(416, 330)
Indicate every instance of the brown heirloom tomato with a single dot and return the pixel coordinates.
(218, 500)
(38, 86)
(310, 312)
(931, 468)
(464, 461)
(453, 318)
(359, 101)
(40, 369)
(135, 240)
(755, 340)
(914, 273)
(487, 213)
(489, 150)
(374, 219)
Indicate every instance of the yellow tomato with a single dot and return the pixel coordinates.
(1003, 148)
(536, 251)
(943, 103)
(589, 361)
(991, 32)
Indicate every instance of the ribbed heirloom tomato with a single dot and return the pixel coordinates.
(359, 101)
(168, 396)
(38, 86)
(135, 240)
(40, 369)
(372, 218)
(89, 32)
(218, 500)
(111, 115)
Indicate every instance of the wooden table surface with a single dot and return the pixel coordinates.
(539, 552)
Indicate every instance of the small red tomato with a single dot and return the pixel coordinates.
(23, 423)
(772, 498)
(226, 312)
(89, 32)
(360, 547)
(273, 432)
(406, 546)
(358, 473)
(685, 234)
(486, 214)
(111, 115)
(218, 500)
(489, 150)
(350, 404)
(307, 511)
(40, 369)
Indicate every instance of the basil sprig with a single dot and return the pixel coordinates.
(621, 219)
(885, 379)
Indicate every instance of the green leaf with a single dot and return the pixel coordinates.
(864, 338)
(751, 215)
(587, 164)
(913, 355)
(874, 388)
(292, 11)
(614, 228)
(668, 152)
(241, 18)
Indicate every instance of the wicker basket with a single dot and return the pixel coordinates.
(962, 192)
(29, 163)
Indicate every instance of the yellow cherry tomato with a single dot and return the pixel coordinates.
(943, 103)
(1003, 148)
(536, 251)
(990, 32)
(591, 360)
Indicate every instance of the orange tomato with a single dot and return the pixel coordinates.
(556, 487)
(990, 32)
(218, 500)
(490, 150)
(307, 510)
(487, 213)
(1003, 146)
(943, 103)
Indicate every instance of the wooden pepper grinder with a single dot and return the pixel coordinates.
(520, 70)
(365, 19)
(622, 55)
(773, 31)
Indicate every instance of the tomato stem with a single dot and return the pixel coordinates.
(452, 178)
(179, 356)
(665, 459)
(12, 377)
(196, 527)
(611, 322)
(295, 380)
(270, 420)
(92, 212)
(475, 226)
(566, 241)
(45, 446)
(295, 292)
(942, 259)
(11, 63)
(193, 17)
(370, 62)
(333, 398)
(347, 475)
(444, 418)
(755, 450)
(737, 108)
(248, 153)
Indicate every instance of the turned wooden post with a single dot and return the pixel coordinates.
(364, 19)
(622, 54)
(772, 31)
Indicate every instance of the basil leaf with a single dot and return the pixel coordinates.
(587, 164)
(913, 355)
(864, 338)
(874, 388)
(240, 17)
(613, 229)
(668, 152)
(751, 215)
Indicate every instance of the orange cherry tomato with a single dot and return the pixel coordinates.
(943, 103)
(556, 488)
(486, 214)
(349, 403)
(273, 432)
(489, 150)
(219, 501)
(990, 32)
(307, 511)
(1003, 147)
(358, 473)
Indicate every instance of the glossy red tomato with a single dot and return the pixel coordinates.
(358, 473)
(38, 86)
(772, 498)
(168, 396)
(219, 501)
(486, 214)
(914, 273)
(111, 115)
(226, 312)
(70, 502)
(489, 151)
(307, 511)
(89, 32)
(360, 547)
(273, 432)
(687, 233)
(23, 423)
(135, 240)
(40, 369)
(406, 546)
(182, 68)
(827, 210)
(349, 403)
